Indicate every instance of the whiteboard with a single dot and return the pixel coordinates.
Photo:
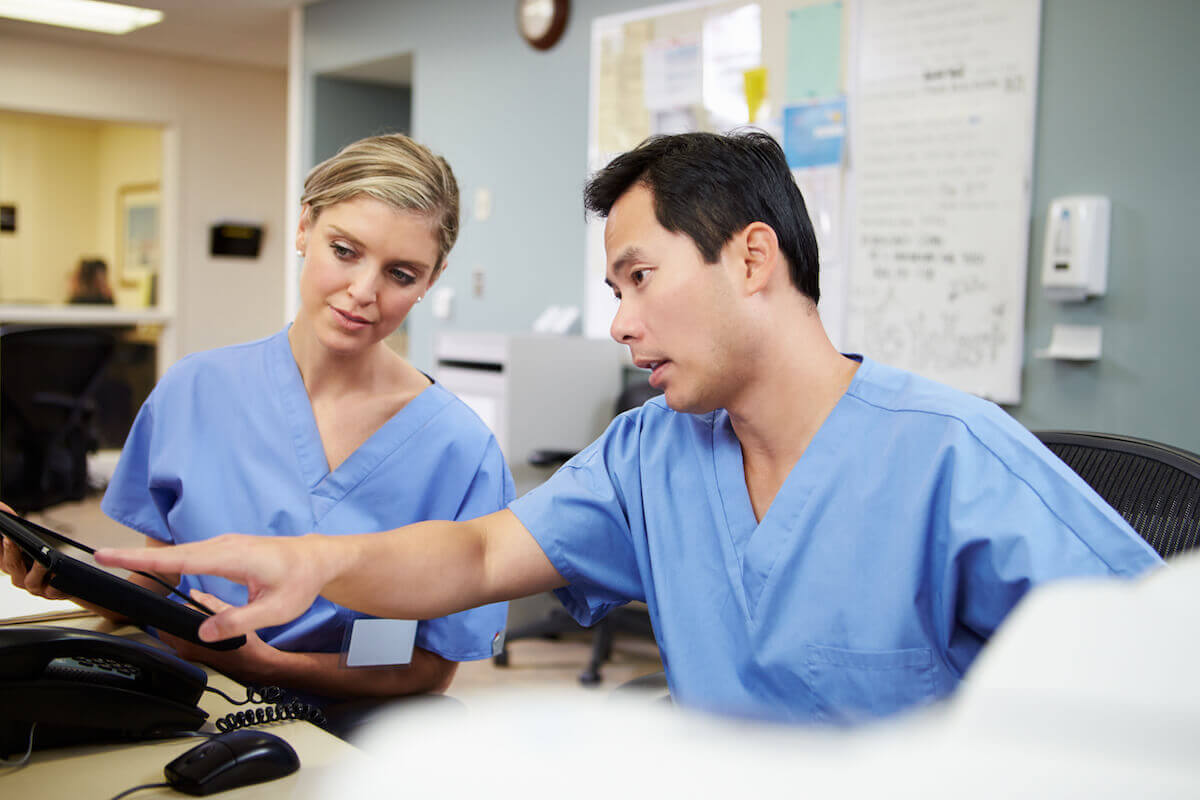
(928, 268)
(942, 142)
(638, 67)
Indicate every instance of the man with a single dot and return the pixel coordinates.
(817, 537)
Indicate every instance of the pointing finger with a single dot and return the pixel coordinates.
(219, 556)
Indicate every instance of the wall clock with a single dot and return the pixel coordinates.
(542, 22)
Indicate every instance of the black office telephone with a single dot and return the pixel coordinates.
(79, 686)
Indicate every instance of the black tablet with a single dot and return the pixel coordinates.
(72, 570)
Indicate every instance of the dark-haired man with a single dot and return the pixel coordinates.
(817, 536)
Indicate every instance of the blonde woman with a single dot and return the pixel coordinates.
(323, 428)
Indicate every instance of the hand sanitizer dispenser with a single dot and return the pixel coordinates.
(1075, 262)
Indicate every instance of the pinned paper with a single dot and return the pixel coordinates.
(1073, 343)
(730, 44)
(756, 89)
(814, 52)
(671, 73)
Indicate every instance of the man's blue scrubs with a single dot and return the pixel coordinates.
(913, 523)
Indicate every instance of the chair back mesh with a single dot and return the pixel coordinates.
(1156, 488)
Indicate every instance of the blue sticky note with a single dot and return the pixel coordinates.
(814, 134)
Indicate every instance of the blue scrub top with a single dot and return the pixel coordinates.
(913, 523)
(227, 443)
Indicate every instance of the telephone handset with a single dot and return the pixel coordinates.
(80, 686)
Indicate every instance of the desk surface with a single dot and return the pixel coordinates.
(102, 771)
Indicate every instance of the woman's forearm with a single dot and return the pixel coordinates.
(322, 673)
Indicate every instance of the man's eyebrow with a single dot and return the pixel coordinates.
(630, 255)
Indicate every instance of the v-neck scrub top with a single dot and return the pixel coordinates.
(913, 523)
(227, 443)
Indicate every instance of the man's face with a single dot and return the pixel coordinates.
(677, 314)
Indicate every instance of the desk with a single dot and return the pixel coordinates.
(96, 772)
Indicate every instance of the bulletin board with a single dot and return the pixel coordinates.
(909, 127)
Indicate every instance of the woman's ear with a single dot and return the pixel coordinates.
(302, 229)
(437, 273)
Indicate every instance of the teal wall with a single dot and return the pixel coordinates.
(1117, 115)
(347, 110)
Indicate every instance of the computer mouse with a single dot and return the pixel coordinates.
(232, 759)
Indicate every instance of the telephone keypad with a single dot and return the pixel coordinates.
(94, 669)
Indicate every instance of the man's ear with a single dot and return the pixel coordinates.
(762, 255)
(302, 228)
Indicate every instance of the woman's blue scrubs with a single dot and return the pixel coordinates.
(227, 443)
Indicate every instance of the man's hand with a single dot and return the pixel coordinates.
(254, 662)
(282, 575)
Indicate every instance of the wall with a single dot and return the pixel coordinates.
(346, 110)
(509, 119)
(225, 159)
(129, 155)
(48, 171)
(63, 175)
(1116, 115)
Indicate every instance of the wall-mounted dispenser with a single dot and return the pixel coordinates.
(1075, 260)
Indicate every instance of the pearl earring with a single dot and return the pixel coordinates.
(420, 298)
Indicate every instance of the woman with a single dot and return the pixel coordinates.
(322, 427)
(89, 283)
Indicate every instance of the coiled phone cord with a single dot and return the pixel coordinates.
(264, 714)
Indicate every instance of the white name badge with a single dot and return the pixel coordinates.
(380, 642)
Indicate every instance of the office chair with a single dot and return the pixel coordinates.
(48, 380)
(631, 618)
(1155, 487)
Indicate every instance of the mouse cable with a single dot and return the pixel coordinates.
(128, 792)
(4, 762)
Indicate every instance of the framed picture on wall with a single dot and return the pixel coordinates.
(138, 248)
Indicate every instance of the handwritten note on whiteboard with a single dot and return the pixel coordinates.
(942, 138)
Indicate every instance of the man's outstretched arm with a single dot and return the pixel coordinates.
(420, 571)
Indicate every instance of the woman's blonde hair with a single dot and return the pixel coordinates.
(395, 170)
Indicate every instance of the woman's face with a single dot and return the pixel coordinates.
(365, 264)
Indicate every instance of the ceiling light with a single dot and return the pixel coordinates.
(89, 15)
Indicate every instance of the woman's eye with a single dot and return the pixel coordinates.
(637, 276)
(341, 251)
(402, 277)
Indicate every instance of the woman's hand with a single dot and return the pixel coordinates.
(254, 662)
(31, 578)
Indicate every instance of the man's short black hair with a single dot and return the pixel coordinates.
(709, 187)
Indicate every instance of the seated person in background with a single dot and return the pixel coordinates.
(322, 427)
(89, 283)
(817, 536)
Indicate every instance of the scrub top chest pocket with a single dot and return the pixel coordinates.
(860, 684)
